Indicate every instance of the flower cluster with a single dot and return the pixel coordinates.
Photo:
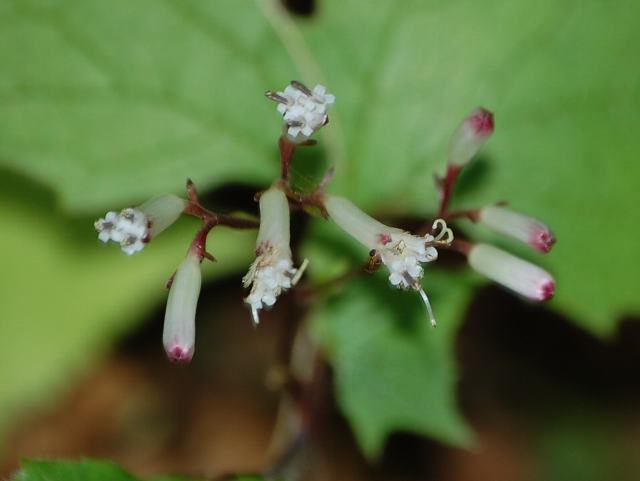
(304, 110)
(518, 275)
(403, 253)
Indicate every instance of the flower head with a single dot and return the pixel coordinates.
(519, 226)
(134, 227)
(179, 331)
(401, 252)
(130, 228)
(272, 272)
(304, 110)
(520, 276)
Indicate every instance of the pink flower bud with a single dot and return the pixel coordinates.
(512, 272)
(519, 226)
(180, 316)
(470, 135)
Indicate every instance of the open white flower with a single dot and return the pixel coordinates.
(272, 272)
(401, 252)
(134, 227)
(304, 110)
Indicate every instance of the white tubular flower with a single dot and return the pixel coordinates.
(272, 272)
(304, 111)
(134, 227)
(519, 226)
(470, 135)
(512, 272)
(402, 252)
(179, 332)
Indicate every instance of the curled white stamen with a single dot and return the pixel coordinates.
(444, 232)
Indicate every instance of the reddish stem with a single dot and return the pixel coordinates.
(447, 185)
(462, 246)
(472, 214)
(287, 149)
(210, 220)
(199, 243)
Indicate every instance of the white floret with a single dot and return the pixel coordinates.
(403, 255)
(130, 229)
(270, 274)
(304, 111)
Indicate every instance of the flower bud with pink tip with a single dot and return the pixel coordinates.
(516, 274)
(470, 135)
(519, 226)
(180, 315)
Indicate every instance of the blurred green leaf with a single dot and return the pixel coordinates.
(562, 79)
(64, 296)
(90, 470)
(109, 102)
(85, 470)
(585, 444)
(393, 371)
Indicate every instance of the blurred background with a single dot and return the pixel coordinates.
(103, 105)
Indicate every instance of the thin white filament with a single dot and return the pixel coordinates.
(427, 304)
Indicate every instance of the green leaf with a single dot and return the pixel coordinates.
(85, 470)
(112, 102)
(393, 371)
(65, 297)
(562, 79)
(89, 470)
